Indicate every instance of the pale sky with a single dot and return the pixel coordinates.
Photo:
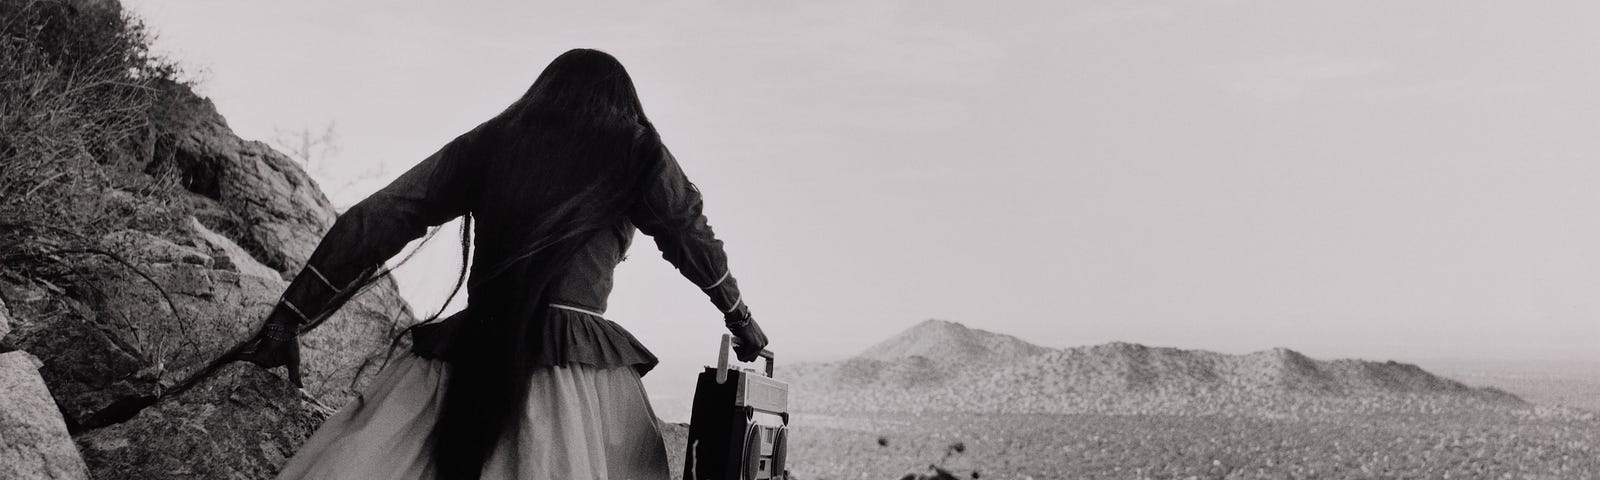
(1374, 179)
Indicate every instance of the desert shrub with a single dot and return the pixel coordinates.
(82, 103)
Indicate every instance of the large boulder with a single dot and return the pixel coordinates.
(112, 340)
(256, 211)
(260, 198)
(242, 423)
(33, 439)
(163, 249)
(88, 368)
(144, 308)
(119, 316)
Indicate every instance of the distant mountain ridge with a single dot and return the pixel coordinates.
(940, 365)
(946, 340)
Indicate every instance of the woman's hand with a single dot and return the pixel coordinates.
(748, 338)
(269, 350)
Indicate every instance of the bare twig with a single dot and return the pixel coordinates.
(41, 184)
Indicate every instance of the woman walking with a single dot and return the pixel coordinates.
(530, 381)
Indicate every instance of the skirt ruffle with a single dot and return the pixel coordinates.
(567, 337)
(575, 337)
(581, 422)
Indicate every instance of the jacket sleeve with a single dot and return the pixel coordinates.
(429, 194)
(671, 213)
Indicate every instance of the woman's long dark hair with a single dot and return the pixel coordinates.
(561, 164)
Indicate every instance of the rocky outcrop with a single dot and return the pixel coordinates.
(204, 231)
(255, 212)
(33, 440)
(117, 337)
(143, 310)
(242, 423)
(259, 197)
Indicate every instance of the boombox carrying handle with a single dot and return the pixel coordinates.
(722, 359)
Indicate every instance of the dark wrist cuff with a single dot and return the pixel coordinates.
(280, 331)
(738, 317)
(284, 322)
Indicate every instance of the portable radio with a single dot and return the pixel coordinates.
(739, 426)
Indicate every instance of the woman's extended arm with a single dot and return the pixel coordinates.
(431, 193)
(671, 213)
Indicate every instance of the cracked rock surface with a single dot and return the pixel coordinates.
(97, 328)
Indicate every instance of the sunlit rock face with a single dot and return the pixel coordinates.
(117, 317)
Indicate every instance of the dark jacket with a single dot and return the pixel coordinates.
(574, 331)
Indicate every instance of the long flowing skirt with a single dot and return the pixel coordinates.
(581, 422)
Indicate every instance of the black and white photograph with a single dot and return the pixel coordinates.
(828, 240)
